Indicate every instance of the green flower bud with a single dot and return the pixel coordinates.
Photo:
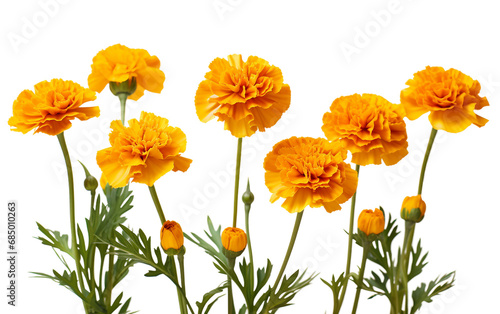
(90, 183)
(248, 197)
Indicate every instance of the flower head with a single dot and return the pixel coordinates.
(171, 235)
(371, 222)
(450, 96)
(119, 63)
(309, 172)
(247, 96)
(413, 208)
(51, 107)
(144, 151)
(369, 126)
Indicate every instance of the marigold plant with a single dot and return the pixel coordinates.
(450, 96)
(119, 63)
(248, 96)
(309, 172)
(144, 151)
(369, 126)
(51, 107)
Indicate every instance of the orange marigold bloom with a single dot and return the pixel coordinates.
(450, 96)
(369, 126)
(119, 63)
(51, 107)
(371, 222)
(247, 96)
(171, 235)
(144, 151)
(309, 172)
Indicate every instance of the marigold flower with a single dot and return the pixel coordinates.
(369, 126)
(309, 172)
(234, 239)
(450, 96)
(413, 208)
(51, 107)
(247, 96)
(144, 151)
(119, 63)
(371, 222)
(171, 235)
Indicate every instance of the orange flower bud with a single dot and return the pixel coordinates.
(371, 222)
(234, 240)
(171, 235)
(413, 208)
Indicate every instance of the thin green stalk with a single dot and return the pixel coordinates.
(407, 245)
(154, 196)
(289, 251)
(230, 300)
(366, 247)
(237, 180)
(349, 245)
(249, 243)
(92, 249)
(426, 158)
(180, 258)
(123, 101)
(180, 295)
(111, 270)
(72, 220)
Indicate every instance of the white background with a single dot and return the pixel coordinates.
(304, 39)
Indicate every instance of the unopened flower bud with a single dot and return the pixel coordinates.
(234, 242)
(371, 222)
(172, 238)
(248, 197)
(90, 183)
(413, 208)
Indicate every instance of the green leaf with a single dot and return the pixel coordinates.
(427, 292)
(55, 239)
(288, 289)
(336, 287)
(207, 296)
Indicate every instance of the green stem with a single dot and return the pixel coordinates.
(72, 220)
(349, 245)
(230, 301)
(366, 247)
(289, 251)
(180, 258)
(426, 158)
(92, 248)
(407, 245)
(111, 270)
(180, 295)
(249, 243)
(237, 180)
(154, 196)
(123, 101)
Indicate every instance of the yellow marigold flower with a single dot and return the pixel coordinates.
(144, 151)
(247, 96)
(309, 172)
(369, 126)
(371, 222)
(413, 208)
(119, 63)
(51, 107)
(234, 239)
(171, 235)
(450, 96)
